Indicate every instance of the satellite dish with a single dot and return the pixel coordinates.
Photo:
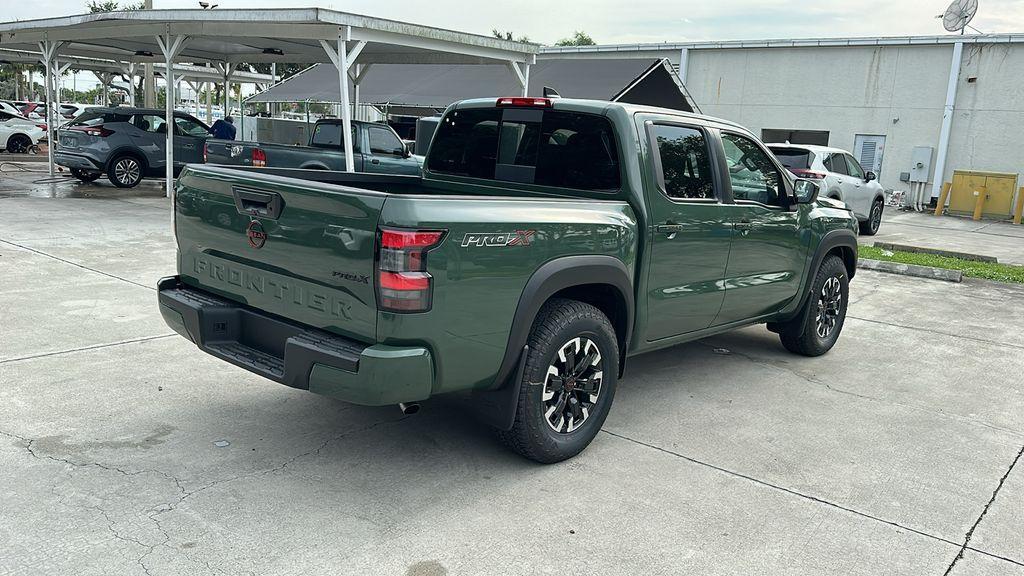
(959, 14)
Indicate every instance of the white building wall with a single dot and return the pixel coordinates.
(895, 91)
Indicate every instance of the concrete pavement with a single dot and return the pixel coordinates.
(124, 450)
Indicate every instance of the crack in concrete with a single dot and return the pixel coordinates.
(984, 511)
(938, 332)
(808, 497)
(812, 380)
(76, 264)
(87, 348)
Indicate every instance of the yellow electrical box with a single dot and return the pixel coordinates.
(997, 188)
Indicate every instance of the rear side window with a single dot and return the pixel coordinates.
(685, 165)
(97, 119)
(543, 147)
(836, 163)
(794, 158)
(328, 135)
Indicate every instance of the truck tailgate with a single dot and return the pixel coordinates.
(294, 248)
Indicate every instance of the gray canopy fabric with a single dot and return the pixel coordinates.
(635, 81)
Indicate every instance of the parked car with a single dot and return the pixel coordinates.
(545, 242)
(19, 138)
(376, 149)
(9, 108)
(127, 144)
(18, 120)
(840, 177)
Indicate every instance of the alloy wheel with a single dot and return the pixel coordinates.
(829, 304)
(127, 171)
(18, 145)
(876, 216)
(572, 385)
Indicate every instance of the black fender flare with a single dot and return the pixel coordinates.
(497, 406)
(839, 238)
(314, 166)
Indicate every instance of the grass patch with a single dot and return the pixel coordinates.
(970, 268)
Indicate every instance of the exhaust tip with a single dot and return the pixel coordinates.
(409, 409)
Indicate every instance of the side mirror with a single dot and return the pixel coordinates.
(403, 151)
(806, 191)
(870, 176)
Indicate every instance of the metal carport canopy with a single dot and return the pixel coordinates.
(353, 43)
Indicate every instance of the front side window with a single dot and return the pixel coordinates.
(685, 165)
(190, 127)
(543, 147)
(853, 167)
(752, 174)
(384, 141)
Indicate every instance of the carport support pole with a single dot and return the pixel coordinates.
(947, 120)
(48, 50)
(171, 46)
(340, 58)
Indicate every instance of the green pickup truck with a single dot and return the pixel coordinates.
(545, 242)
(376, 148)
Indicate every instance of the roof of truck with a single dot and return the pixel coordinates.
(604, 105)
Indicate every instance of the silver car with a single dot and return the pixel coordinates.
(127, 144)
(839, 176)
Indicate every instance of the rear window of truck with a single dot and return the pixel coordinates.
(791, 158)
(529, 146)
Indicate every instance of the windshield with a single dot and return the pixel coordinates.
(798, 158)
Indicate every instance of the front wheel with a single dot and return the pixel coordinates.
(817, 328)
(568, 384)
(870, 226)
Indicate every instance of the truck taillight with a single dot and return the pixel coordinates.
(531, 102)
(206, 151)
(403, 283)
(259, 157)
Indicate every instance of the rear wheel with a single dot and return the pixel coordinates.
(18, 144)
(815, 331)
(870, 226)
(568, 384)
(125, 172)
(85, 176)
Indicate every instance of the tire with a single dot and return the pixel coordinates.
(18, 144)
(870, 226)
(86, 177)
(125, 171)
(823, 321)
(574, 331)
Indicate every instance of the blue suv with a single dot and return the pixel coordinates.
(127, 144)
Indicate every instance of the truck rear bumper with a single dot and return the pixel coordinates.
(294, 354)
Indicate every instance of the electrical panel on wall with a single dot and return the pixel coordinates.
(921, 164)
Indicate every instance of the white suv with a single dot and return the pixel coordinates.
(839, 176)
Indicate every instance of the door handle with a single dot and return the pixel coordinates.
(190, 146)
(374, 161)
(669, 228)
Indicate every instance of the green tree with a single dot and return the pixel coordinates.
(508, 36)
(95, 6)
(579, 38)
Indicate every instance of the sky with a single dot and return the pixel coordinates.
(618, 22)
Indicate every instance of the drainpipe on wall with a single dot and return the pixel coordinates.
(947, 119)
(684, 62)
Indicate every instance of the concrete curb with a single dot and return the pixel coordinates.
(911, 270)
(936, 252)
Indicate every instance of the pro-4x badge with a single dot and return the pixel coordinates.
(517, 238)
